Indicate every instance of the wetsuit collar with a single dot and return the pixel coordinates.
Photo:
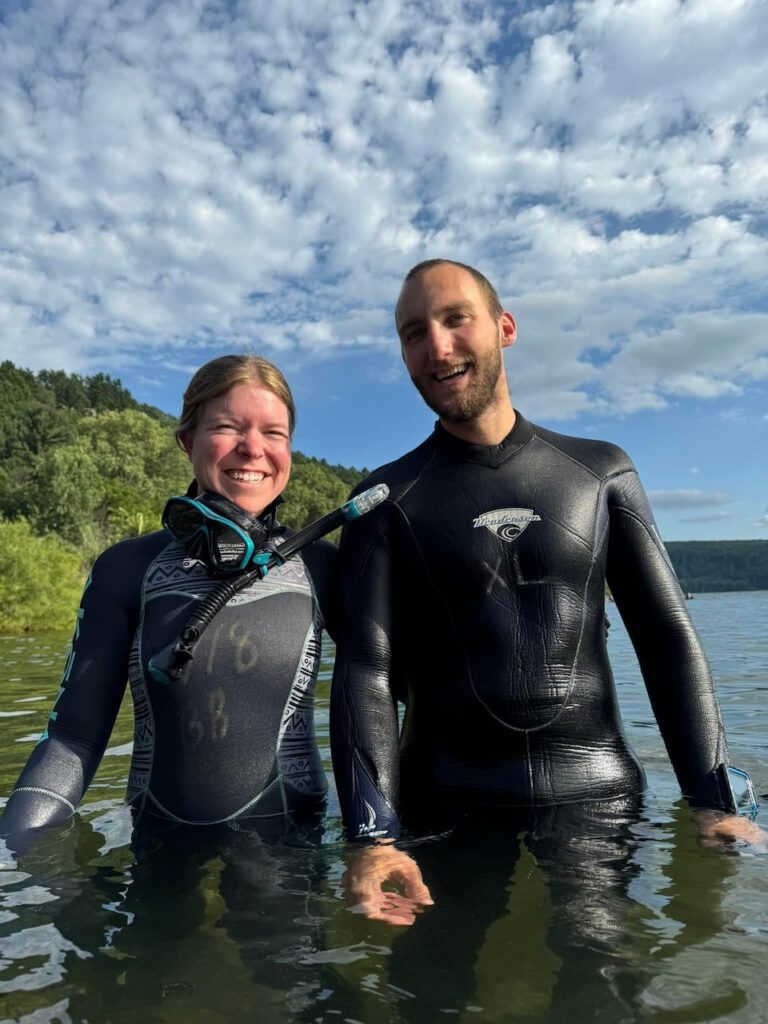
(492, 455)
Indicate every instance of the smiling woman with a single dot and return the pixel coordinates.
(241, 446)
(236, 427)
(231, 742)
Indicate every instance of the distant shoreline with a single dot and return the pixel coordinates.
(720, 566)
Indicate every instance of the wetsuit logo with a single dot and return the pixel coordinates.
(507, 523)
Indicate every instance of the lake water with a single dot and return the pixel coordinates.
(645, 925)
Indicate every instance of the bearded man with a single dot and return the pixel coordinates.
(475, 597)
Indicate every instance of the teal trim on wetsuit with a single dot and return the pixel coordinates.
(475, 595)
(234, 741)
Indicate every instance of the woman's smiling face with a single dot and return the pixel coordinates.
(241, 446)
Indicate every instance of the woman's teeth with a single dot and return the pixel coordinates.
(244, 477)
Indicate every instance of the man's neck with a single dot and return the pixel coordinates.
(490, 427)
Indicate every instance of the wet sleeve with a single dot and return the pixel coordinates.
(69, 751)
(322, 561)
(672, 660)
(364, 724)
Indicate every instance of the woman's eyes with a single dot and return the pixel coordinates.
(233, 428)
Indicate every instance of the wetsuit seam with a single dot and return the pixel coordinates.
(577, 653)
(299, 691)
(567, 455)
(229, 817)
(656, 540)
(527, 730)
(45, 792)
(396, 501)
(625, 471)
(150, 714)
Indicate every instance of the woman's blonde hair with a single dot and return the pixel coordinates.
(222, 374)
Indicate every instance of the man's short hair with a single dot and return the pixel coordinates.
(491, 296)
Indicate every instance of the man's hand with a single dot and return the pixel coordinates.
(370, 869)
(714, 827)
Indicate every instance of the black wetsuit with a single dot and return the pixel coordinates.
(233, 742)
(475, 595)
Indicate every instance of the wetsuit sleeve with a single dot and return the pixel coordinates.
(322, 561)
(674, 667)
(364, 725)
(69, 751)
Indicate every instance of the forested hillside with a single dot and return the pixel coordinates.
(705, 566)
(82, 465)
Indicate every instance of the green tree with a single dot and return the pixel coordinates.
(68, 493)
(312, 491)
(40, 580)
(110, 482)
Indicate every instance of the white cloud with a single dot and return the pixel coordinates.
(182, 176)
(687, 498)
(714, 517)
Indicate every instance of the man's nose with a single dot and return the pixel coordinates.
(439, 341)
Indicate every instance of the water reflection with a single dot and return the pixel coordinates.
(620, 920)
(568, 920)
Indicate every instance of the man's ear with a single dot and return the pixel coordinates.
(508, 329)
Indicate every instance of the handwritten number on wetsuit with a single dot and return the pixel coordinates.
(219, 717)
(246, 653)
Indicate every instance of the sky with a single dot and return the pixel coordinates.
(183, 179)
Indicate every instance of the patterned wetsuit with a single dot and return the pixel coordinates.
(475, 595)
(234, 740)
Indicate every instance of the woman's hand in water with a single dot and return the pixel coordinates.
(714, 827)
(370, 869)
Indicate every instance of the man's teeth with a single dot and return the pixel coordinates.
(456, 371)
(243, 477)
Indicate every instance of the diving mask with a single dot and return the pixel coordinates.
(217, 531)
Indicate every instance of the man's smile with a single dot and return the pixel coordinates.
(451, 373)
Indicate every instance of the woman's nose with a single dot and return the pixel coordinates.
(251, 444)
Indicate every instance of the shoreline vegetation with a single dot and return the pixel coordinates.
(84, 465)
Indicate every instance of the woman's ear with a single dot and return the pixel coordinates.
(184, 441)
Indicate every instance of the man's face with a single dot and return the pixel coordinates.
(451, 343)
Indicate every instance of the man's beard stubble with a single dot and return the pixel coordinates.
(475, 399)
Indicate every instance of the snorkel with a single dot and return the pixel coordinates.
(169, 664)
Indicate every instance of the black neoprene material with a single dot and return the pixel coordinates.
(475, 595)
(231, 742)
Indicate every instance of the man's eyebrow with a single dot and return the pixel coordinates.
(452, 307)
